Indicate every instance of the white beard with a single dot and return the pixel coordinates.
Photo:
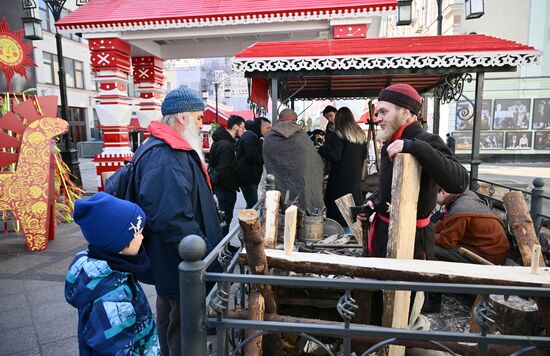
(192, 136)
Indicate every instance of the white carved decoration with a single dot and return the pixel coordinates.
(290, 16)
(391, 62)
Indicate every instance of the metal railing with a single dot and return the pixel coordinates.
(535, 195)
(230, 339)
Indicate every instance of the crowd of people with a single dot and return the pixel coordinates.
(176, 195)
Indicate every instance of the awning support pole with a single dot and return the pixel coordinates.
(478, 105)
(274, 99)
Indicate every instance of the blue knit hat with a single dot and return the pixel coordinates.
(107, 222)
(181, 99)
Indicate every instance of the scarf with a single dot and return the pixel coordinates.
(137, 265)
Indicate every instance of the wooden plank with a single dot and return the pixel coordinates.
(344, 204)
(272, 199)
(291, 214)
(401, 237)
(405, 270)
(521, 222)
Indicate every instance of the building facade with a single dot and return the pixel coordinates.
(516, 106)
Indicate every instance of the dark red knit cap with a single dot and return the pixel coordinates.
(402, 95)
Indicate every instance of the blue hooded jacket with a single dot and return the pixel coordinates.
(114, 317)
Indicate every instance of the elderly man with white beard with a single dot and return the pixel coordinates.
(174, 191)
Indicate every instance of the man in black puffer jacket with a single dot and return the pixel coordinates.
(223, 166)
(250, 160)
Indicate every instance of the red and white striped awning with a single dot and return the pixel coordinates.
(128, 15)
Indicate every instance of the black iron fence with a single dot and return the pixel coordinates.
(200, 311)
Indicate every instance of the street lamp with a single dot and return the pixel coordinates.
(31, 24)
(68, 153)
(404, 12)
(226, 92)
(474, 9)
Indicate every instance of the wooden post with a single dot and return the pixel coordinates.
(401, 237)
(521, 222)
(272, 199)
(535, 259)
(291, 215)
(256, 311)
(257, 261)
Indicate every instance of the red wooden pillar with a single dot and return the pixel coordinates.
(148, 80)
(110, 60)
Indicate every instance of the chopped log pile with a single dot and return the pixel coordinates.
(514, 315)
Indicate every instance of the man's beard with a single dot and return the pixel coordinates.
(192, 137)
(390, 129)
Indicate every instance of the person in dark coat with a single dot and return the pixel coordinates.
(451, 142)
(345, 149)
(173, 189)
(329, 112)
(292, 158)
(223, 166)
(250, 159)
(397, 108)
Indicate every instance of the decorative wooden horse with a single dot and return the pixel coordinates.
(29, 190)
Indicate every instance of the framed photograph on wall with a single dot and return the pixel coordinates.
(541, 114)
(491, 141)
(542, 140)
(518, 140)
(511, 114)
(464, 119)
(463, 140)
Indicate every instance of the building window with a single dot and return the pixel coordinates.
(74, 71)
(49, 73)
(79, 74)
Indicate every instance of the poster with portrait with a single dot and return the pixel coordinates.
(518, 140)
(541, 114)
(542, 140)
(511, 114)
(491, 140)
(463, 140)
(464, 119)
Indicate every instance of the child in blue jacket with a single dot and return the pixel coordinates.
(114, 317)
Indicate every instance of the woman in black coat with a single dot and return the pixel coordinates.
(345, 149)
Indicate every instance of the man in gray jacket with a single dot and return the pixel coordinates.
(292, 158)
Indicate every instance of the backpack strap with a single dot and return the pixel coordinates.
(137, 157)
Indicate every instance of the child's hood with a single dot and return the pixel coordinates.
(83, 280)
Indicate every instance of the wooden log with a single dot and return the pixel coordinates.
(514, 316)
(272, 199)
(256, 311)
(401, 237)
(344, 204)
(459, 348)
(474, 256)
(253, 240)
(521, 222)
(405, 270)
(291, 214)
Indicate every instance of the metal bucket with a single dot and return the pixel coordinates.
(312, 229)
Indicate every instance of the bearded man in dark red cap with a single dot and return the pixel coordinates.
(398, 106)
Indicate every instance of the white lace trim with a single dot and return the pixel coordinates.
(406, 61)
(287, 16)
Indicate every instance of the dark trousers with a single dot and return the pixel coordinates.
(450, 255)
(168, 326)
(250, 193)
(226, 200)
